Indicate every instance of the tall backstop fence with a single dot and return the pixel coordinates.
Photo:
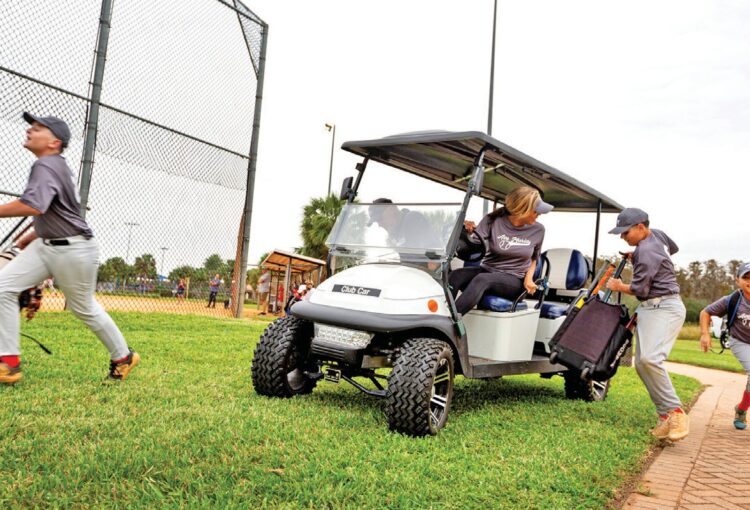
(163, 100)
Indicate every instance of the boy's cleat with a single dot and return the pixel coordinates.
(10, 375)
(121, 370)
(661, 431)
(679, 425)
(740, 419)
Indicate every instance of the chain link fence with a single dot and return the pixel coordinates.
(173, 137)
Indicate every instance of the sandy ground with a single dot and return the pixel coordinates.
(56, 302)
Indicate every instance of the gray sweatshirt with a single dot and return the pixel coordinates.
(653, 270)
(508, 248)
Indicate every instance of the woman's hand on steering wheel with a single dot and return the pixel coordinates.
(469, 226)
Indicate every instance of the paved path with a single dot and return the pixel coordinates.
(710, 469)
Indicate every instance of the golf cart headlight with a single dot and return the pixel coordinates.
(343, 336)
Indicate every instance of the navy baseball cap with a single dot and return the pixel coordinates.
(743, 269)
(629, 218)
(58, 126)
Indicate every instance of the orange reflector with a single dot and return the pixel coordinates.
(432, 305)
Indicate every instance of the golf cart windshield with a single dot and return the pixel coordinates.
(395, 233)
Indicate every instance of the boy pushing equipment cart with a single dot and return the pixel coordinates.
(661, 314)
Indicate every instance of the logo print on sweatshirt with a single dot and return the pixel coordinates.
(744, 318)
(506, 243)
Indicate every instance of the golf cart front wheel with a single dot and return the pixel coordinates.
(280, 364)
(577, 388)
(420, 387)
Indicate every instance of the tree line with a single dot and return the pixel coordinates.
(116, 269)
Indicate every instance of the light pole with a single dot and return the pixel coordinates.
(332, 129)
(486, 203)
(130, 225)
(163, 251)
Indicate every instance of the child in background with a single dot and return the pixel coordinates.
(738, 312)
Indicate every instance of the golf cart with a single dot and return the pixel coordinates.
(387, 304)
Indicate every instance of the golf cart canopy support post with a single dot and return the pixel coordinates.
(474, 188)
(596, 237)
(361, 170)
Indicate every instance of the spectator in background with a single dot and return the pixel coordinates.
(264, 288)
(181, 290)
(213, 287)
(280, 300)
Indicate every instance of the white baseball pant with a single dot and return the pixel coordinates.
(74, 268)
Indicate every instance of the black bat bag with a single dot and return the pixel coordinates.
(593, 339)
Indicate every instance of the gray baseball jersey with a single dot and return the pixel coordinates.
(509, 249)
(653, 270)
(741, 327)
(52, 191)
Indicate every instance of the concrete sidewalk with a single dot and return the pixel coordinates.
(710, 469)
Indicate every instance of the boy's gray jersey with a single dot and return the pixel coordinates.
(741, 327)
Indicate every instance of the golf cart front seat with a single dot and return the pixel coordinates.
(493, 303)
(568, 272)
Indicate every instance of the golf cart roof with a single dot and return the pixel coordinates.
(448, 157)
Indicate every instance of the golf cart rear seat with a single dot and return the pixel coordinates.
(568, 272)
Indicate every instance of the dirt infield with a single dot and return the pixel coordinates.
(56, 302)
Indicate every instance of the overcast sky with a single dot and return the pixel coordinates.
(647, 102)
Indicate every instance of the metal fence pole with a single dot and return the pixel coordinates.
(92, 120)
(248, 214)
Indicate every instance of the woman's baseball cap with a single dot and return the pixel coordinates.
(58, 126)
(542, 207)
(743, 269)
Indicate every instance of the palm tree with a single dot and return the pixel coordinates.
(145, 266)
(318, 219)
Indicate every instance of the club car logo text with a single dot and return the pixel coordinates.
(353, 289)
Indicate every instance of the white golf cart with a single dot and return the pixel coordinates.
(387, 304)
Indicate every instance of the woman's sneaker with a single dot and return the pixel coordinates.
(10, 375)
(121, 370)
(740, 418)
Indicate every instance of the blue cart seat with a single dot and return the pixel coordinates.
(569, 271)
(498, 304)
(553, 310)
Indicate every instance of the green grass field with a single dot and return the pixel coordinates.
(187, 430)
(689, 352)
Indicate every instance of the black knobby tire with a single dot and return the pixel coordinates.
(420, 387)
(281, 359)
(577, 388)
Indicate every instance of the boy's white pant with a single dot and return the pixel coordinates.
(74, 268)
(741, 351)
(659, 323)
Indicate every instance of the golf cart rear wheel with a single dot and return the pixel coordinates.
(578, 389)
(420, 387)
(280, 363)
